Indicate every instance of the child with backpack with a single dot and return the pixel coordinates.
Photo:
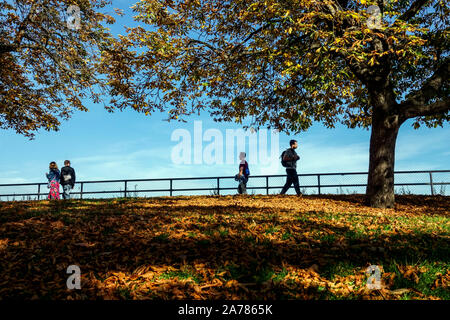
(243, 174)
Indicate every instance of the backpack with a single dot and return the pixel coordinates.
(65, 175)
(283, 163)
(247, 171)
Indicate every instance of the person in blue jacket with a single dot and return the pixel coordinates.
(243, 174)
(53, 181)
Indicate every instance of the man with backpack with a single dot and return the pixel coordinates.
(289, 160)
(67, 179)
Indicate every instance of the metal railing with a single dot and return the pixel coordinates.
(317, 183)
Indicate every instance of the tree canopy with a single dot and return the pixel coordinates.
(283, 64)
(286, 63)
(49, 55)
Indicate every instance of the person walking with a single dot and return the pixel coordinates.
(67, 179)
(289, 160)
(243, 174)
(53, 181)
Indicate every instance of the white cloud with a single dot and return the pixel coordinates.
(14, 180)
(10, 173)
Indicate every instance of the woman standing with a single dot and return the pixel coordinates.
(53, 181)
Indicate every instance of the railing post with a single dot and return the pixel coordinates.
(39, 191)
(431, 184)
(125, 191)
(81, 191)
(171, 187)
(218, 186)
(267, 185)
(318, 182)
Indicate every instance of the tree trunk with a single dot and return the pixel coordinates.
(380, 182)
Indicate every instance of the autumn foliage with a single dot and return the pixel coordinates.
(47, 68)
(225, 247)
(288, 64)
(282, 64)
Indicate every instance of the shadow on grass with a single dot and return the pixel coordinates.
(106, 238)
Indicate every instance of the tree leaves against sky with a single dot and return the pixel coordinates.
(48, 69)
(284, 63)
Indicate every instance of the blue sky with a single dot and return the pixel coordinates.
(127, 144)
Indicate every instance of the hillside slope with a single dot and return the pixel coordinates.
(226, 247)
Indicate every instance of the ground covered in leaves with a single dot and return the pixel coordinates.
(226, 247)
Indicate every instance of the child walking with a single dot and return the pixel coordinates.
(243, 174)
(53, 181)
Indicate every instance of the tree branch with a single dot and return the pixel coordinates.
(413, 10)
(24, 24)
(5, 48)
(8, 47)
(417, 104)
(255, 32)
(213, 49)
(429, 110)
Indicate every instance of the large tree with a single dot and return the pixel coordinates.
(49, 54)
(285, 64)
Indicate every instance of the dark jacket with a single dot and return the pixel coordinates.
(245, 169)
(67, 171)
(53, 175)
(293, 158)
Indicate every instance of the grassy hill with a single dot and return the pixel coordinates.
(226, 247)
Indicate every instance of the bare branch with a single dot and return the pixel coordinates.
(255, 32)
(24, 24)
(215, 50)
(413, 10)
(417, 104)
(429, 110)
